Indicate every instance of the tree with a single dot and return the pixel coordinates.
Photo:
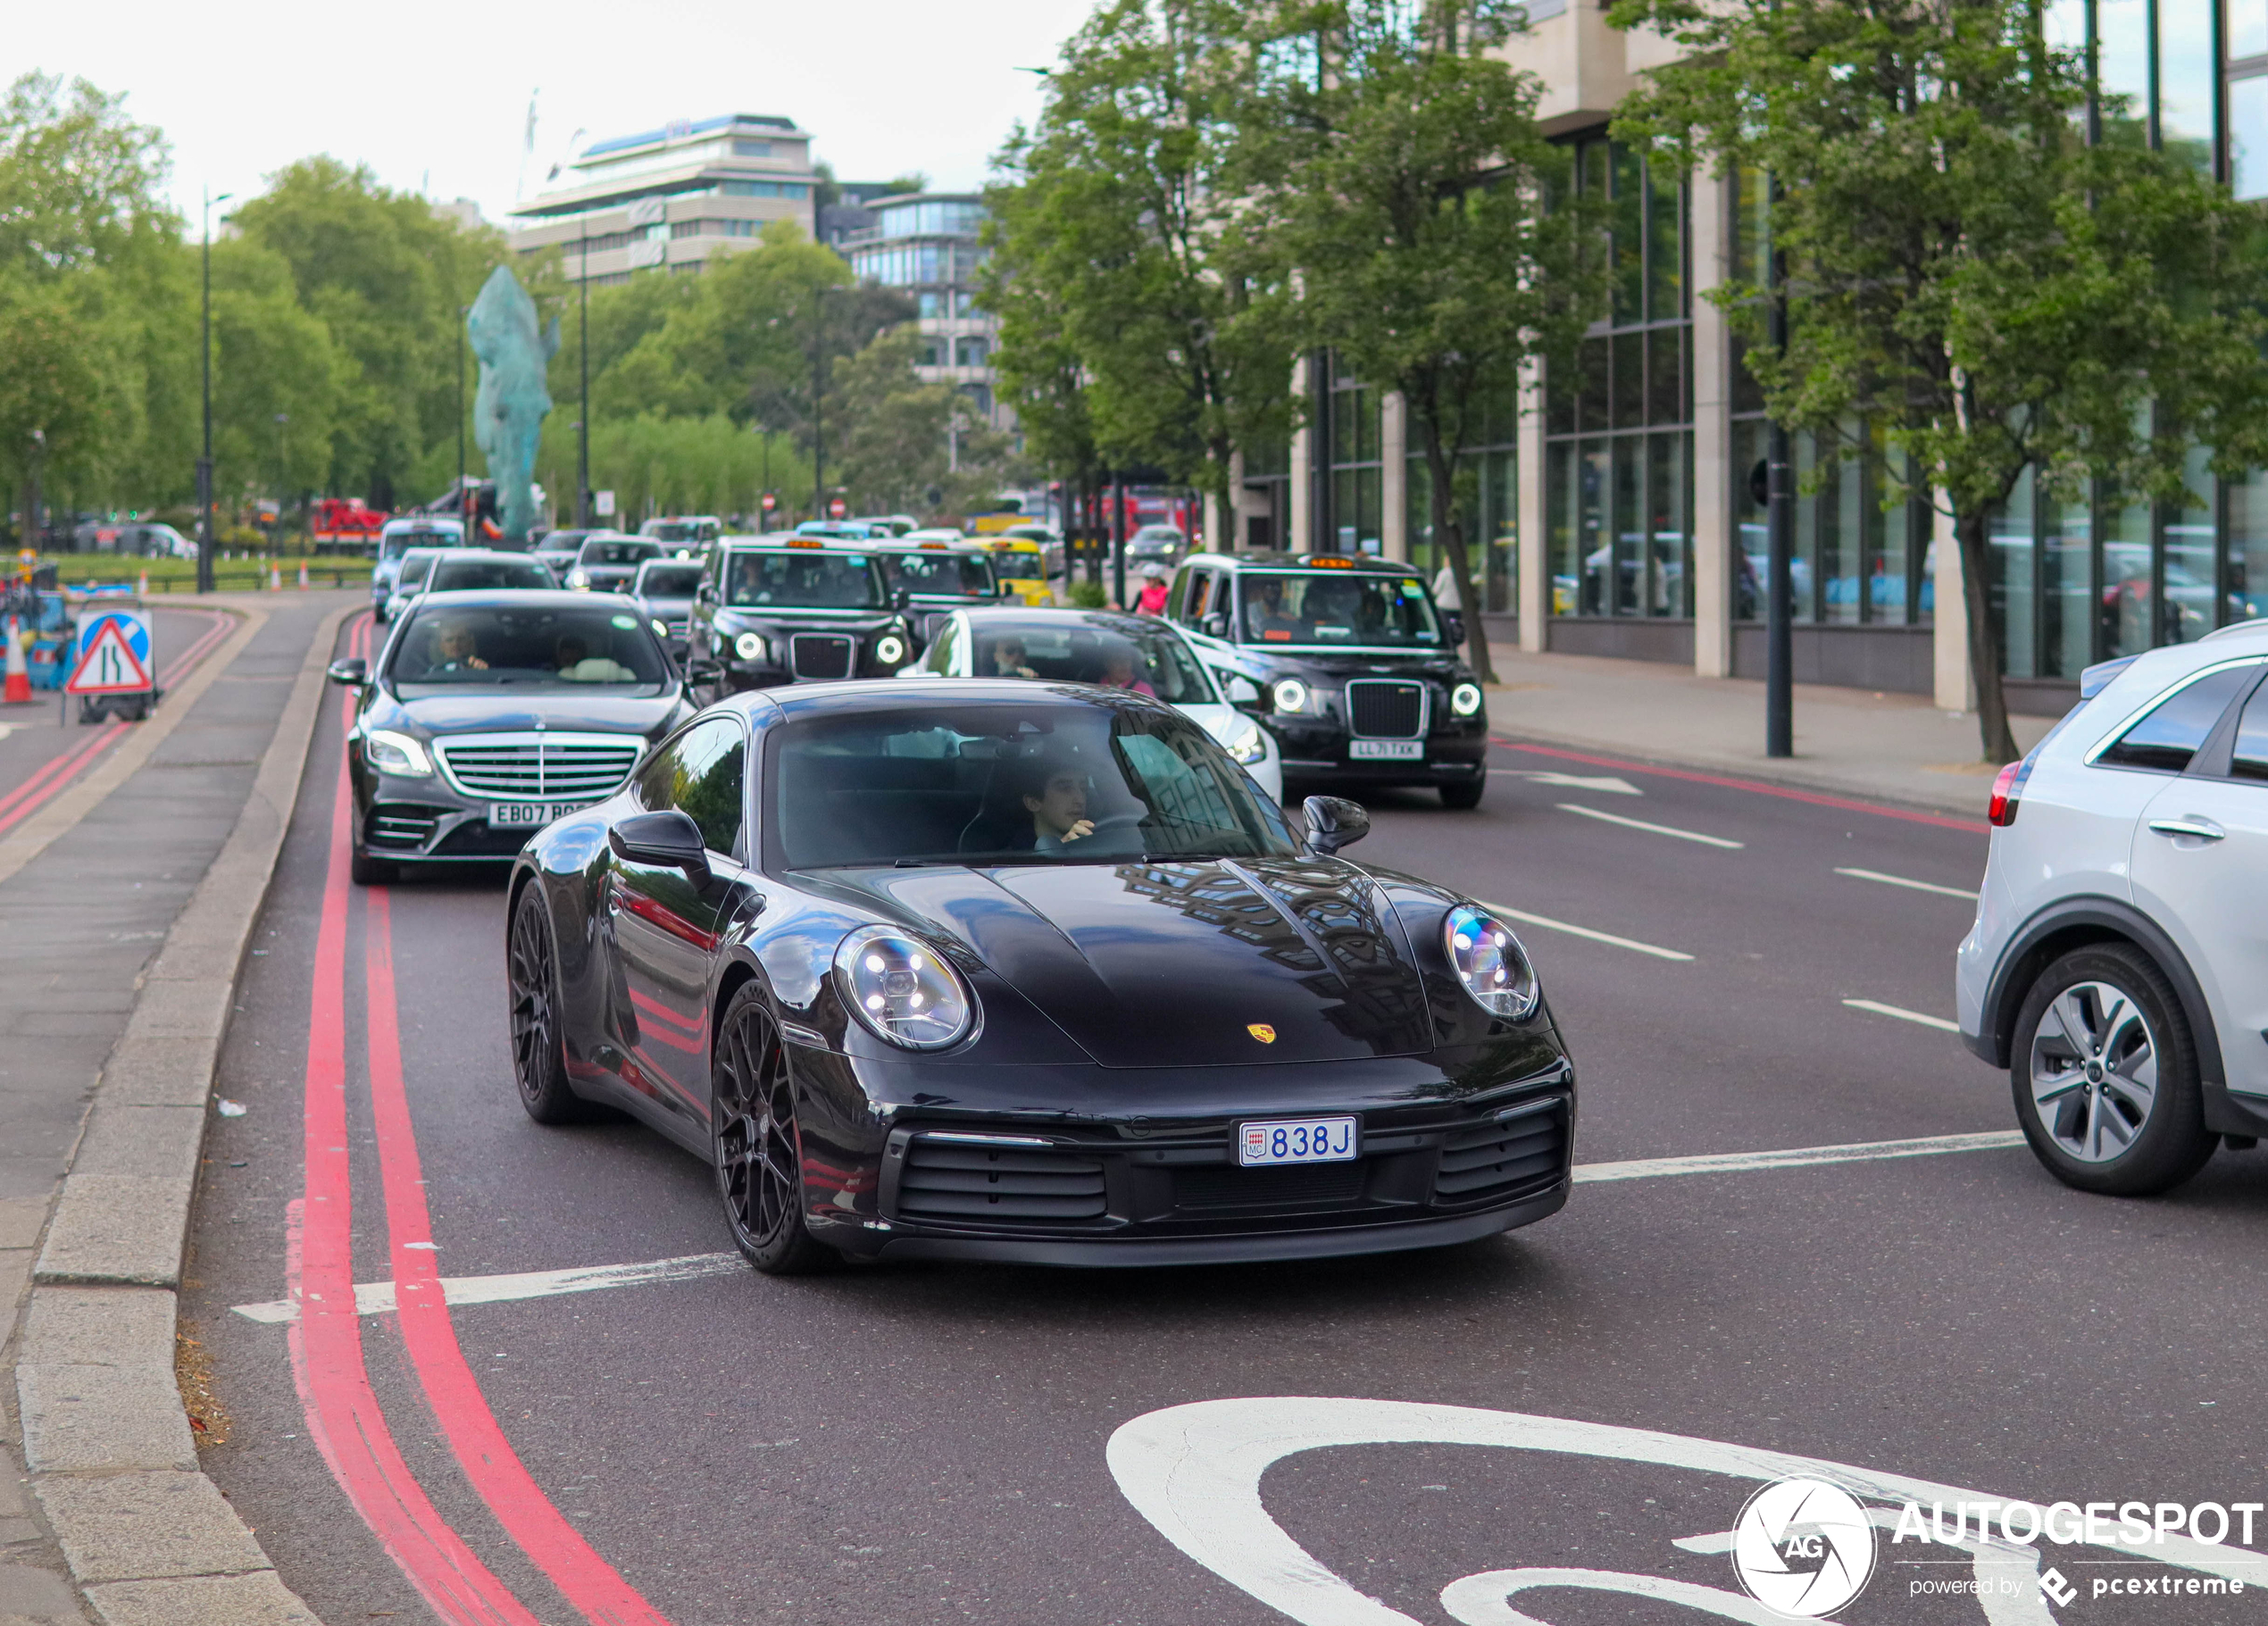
(270, 357)
(1965, 272)
(1406, 182)
(1122, 220)
(905, 446)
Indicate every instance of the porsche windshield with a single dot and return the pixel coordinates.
(999, 782)
(939, 574)
(807, 578)
(452, 648)
(1345, 607)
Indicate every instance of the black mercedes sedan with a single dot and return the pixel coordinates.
(1009, 971)
(796, 610)
(488, 714)
(1347, 661)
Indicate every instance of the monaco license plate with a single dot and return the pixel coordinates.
(1297, 1140)
(1386, 750)
(528, 815)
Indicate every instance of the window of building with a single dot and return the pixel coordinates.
(981, 395)
(930, 303)
(1352, 434)
(795, 189)
(930, 354)
(743, 148)
(971, 352)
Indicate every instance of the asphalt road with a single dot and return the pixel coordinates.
(927, 1444)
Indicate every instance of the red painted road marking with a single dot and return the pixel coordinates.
(589, 1581)
(223, 625)
(344, 1418)
(1844, 804)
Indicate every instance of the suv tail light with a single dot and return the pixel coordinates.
(2004, 789)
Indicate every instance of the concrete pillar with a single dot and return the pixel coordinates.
(1535, 538)
(1394, 481)
(1714, 475)
(1957, 689)
(1294, 536)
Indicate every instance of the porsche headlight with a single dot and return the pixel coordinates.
(902, 990)
(749, 647)
(890, 650)
(1290, 695)
(1246, 745)
(1465, 699)
(1490, 963)
(395, 754)
(579, 580)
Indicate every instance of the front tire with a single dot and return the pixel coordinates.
(539, 1048)
(754, 1146)
(1465, 797)
(2104, 1074)
(365, 871)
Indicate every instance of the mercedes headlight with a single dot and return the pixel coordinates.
(749, 647)
(890, 650)
(1246, 744)
(1465, 699)
(902, 990)
(1490, 963)
(579, 580)
(395, 754)
(1290, 695)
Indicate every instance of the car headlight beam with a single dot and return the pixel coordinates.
(1290, 693)
(577, 580)
(902, 990)
(890, 650)
(395, 754)
(749, 647)
(1490, 963)
(1248, 745)
(1465, 699)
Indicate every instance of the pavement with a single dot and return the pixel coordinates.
(1895, 747)
(110, 836)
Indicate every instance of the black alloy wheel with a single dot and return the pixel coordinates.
(753, 1141)
(2104, 1074)
(538, 1050)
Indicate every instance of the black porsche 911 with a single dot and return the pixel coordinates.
(1026, 972)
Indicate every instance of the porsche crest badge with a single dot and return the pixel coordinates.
(1261, 1031)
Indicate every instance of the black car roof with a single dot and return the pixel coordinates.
(1354, 564)
(869, 695)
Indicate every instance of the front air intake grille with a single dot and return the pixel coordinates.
(1385, 710)
(1287, 1189)
(401, 826)
(583, 767)
(963, 1182)
(820, 655)
(1494, 1160)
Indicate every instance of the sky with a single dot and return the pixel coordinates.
(434, 97)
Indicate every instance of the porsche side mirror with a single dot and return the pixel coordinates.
(1452, 626)
(670, 840)
(1332, 822)
(353, 674)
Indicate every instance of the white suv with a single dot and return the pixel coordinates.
(2119, 962)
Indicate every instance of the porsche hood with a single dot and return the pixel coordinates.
(1185, 962)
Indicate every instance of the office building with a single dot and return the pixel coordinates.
(925, 244)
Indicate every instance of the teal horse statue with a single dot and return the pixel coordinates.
(515, 350)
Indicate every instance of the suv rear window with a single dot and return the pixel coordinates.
(2169, 735)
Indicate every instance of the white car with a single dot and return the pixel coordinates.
(2119, 961)
(397, 539)
(1107, 647)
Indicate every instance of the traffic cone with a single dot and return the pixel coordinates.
(275, 577)
(19, 688)
(303, 575)
(143, 589)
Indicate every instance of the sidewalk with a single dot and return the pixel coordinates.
(89, 889)
(1893, 748)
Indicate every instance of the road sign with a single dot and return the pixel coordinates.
(603, 501)
(837, 508)
(111, 655)
(769, 502)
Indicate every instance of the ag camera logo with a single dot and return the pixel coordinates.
(1803, 1547)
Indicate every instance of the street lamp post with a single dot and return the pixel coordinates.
(819, 402)
(465, 314)
(283, 479)
(582, 427)
(34, 513)
(204, 463)
(1779, 607)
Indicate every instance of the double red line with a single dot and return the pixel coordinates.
(344, 1417)
(59, 772)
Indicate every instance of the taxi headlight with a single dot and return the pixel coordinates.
(1290, 695)
(891, 650)
(395, 754)
(1490, 963)
(902, 990)
(579, 580)
(749, 645)
(1246, 745)
(1465, 699)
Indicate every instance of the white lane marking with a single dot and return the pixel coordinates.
(1926, 1021)
(1194, 1471)
(1796, 1157)
(1606, 783)
(1548, 924)
(377, 1297)
(1912, 886)
(1658, 829)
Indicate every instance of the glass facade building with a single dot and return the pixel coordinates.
(926, 245)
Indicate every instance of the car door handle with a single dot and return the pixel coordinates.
(2203, 829)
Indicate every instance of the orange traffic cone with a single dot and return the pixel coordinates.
(303, 575)
(19, 687)
(143, 589)
(275, 577)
